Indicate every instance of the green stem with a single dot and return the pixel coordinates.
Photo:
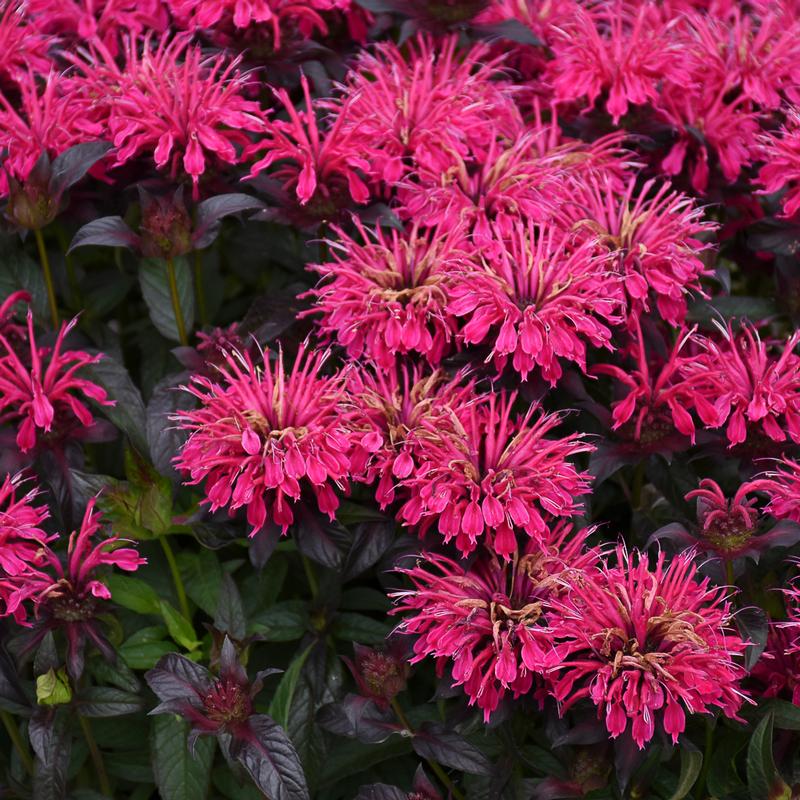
(310, 577)
(16, 740)
(176, 577)
(701, 780)
(434, 765)
(199, 288)
(97, 757)
(48, 276)
(729, 572)
(638, 484)
(176, 303)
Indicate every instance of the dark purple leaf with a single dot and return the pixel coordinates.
(511, 29)
(674, 532)
(263, 545)
(229, 617)
(106, 701)
(268, 755)
(51, 742)
(105, 232)
(627, 760)
(381, 791)
(319, 538)
(435, 742)
(71, 165)
(12, 696)
(370, 542)
(359, 718)
(753, 625)
(175, 677)
(211, 211)
(163, 436)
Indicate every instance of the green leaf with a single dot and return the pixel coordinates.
(133, 593)
(179, 776)
(143, 649)
(53, 689)
(153, 279)
(106, 701)
(202, 576)
(180, 629)
(786, 715)
(761, 769)
(282, 700)
(352, 627)
(19, 272)
(283, 622)
(691, 764)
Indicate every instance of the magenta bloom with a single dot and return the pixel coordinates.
(620, 48)
(782, 487)
(421, 106)
(747, 387)
(21, 535)
(208, 13)
(646, 646)
(538, 297)
(261, 435)
(183, 108)
(393, 408)
(23, 47)
(68, 595)
(388, 296)
(491, 621)
(778, 669)
(651, 234)
(781, 154)
(493, 475)
(43, 395)
(730, 528)
(321, 168)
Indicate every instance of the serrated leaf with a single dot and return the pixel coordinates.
(154, 282)
(52, 744)
(179, 775)
(106, 701)
(317, 537)
(163, 436)
(229, 616)
(435, 742)
(283, 622)
(128, 414)
(352, 627)
(271, 760)
(370, 541)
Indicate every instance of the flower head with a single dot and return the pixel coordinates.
(778, 669)
(646, 646)
(651, 234)
(68, 594)
(492, 474)
(21, 534)
(43, 393)
(782, 487)
(781, 153)
(184, 109)
(538, 297)
(392, 408)
(388, 296)
(746, 386)
(491, 620)
(260, 436)
(380, 674)
(320, 167)
(23, 46)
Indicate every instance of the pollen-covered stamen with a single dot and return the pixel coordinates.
(65, 604)
(227, 702)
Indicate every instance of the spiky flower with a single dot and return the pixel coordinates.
(492, 474)
(68, 594)
(648, 645)
(42, 393)
(778, 669)
(538, 297)
(23, 46)
(21, 534)
(392, 408)
(260, 436)
(781, 155)
(746, 385)
(651, 233)
(491, 621)
(387, 294)
(782, 487)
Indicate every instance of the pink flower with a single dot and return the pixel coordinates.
(9, 327)
(622, 48)
(23, 47)
(493, 475)
(491, 621)
(208, 13)
(646, 646)
(182, 108)
(651, 234)
(743, 384)
(781, 154)
(778, 669)
(389, 295)
(392, 408)
(658, 400)
(320, 167)
(537, 297)
(260, 436)
(782, 487)
(21, 535)
(46, 118)
(421, 106)
(43, 395)
(105, 21)
(68, 595)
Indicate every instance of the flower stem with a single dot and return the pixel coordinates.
(176, 303)
(97, 757)
(16, 740)
(434, 765)
(310, 576)
(48, 276)
(199, 288)
(701, 780)
(176, 577)
(730, 579)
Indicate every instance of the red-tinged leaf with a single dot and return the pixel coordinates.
(105, 232)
